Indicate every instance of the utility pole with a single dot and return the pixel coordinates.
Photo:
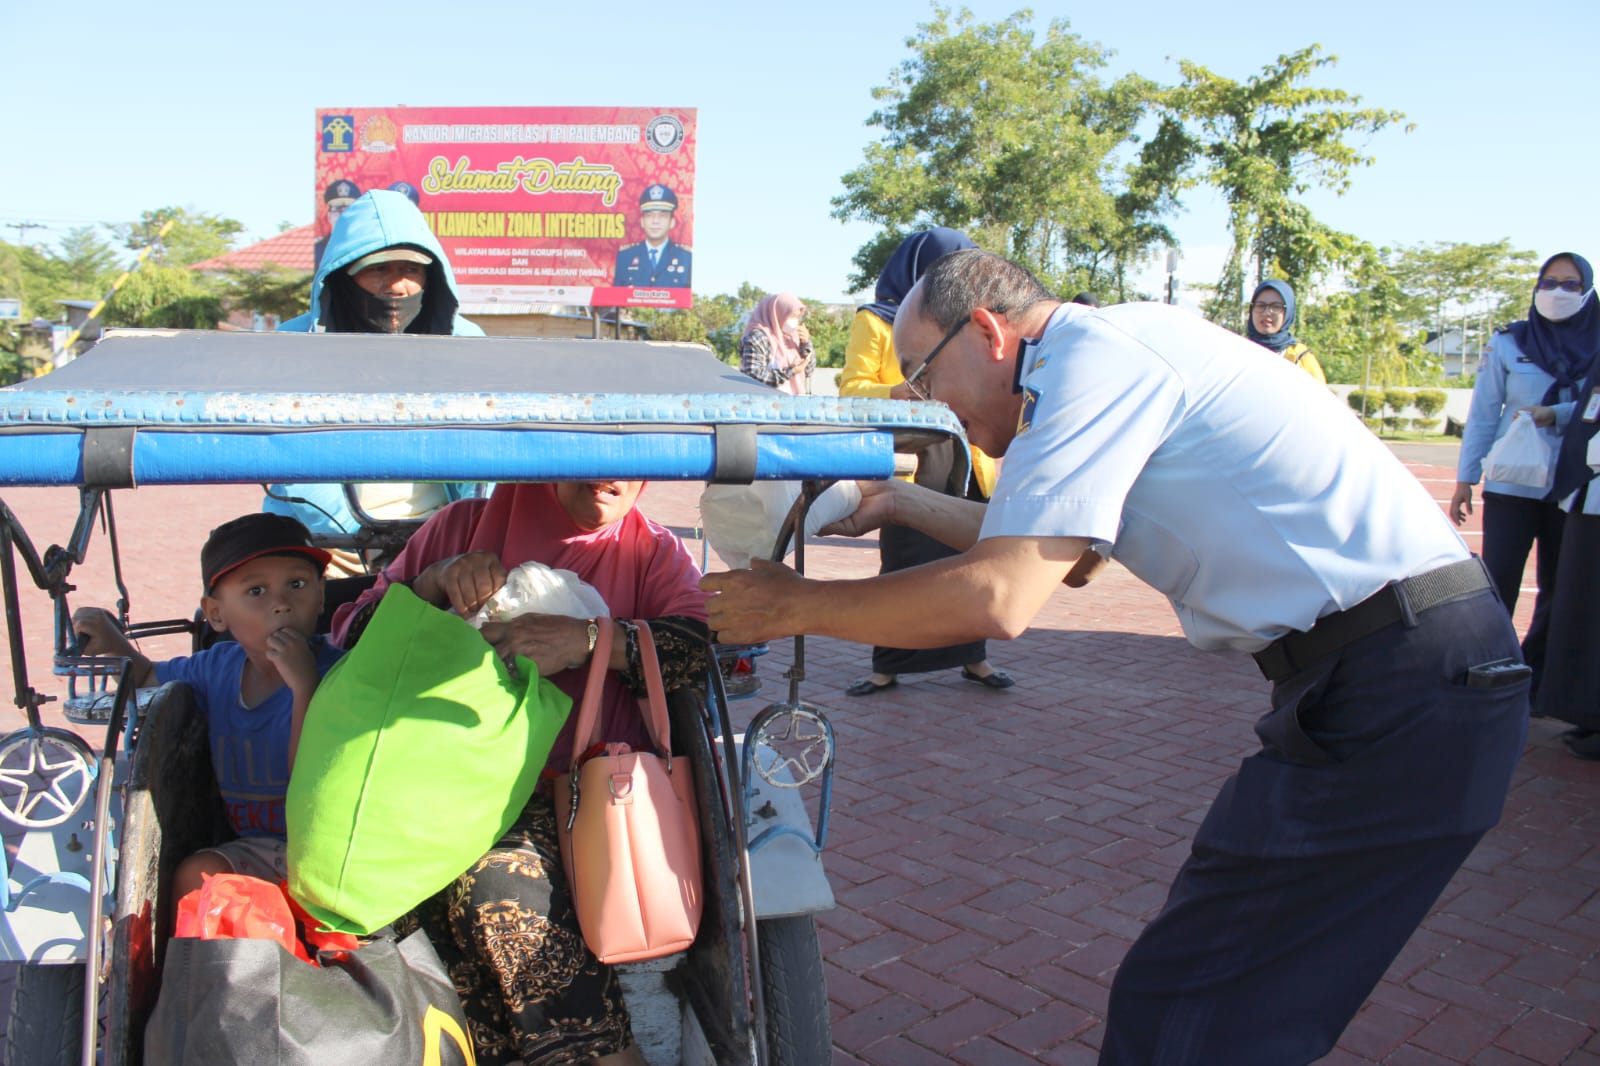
(22, 229)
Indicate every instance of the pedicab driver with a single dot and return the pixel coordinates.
(1278, 526)
(385, 272)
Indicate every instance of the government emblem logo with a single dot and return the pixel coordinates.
(664, 134)
(379, 134)
(1030, 400)
(338, 132)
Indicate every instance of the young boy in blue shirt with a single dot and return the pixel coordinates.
(263, 590)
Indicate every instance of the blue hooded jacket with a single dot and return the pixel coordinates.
(379, 219)
(383, 219)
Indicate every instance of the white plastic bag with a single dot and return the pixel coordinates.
(534, 588)
(741, 521)
(1521, 457)
(401, 500)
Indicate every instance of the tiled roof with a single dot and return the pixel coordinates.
(290, 249)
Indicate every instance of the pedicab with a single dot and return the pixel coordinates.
(93, 831)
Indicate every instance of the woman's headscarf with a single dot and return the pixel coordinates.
(1569, 351)
(1283, 338)
(769, 316)
(639, 568)
(1562, 349)
(908, 263)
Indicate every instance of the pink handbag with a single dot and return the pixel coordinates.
(629, 827)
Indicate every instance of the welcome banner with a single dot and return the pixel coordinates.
(567, 205)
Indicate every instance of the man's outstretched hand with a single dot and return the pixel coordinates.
(875, 511)
(754, 605)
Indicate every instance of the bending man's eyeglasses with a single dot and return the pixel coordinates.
(913, 382)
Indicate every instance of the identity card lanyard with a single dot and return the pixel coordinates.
(1591, 410)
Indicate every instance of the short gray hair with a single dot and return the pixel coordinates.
(959, 283)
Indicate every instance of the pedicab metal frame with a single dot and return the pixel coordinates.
(200, 407)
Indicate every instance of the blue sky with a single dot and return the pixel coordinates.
(114, 109)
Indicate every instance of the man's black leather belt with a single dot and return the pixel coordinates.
(1395, 602)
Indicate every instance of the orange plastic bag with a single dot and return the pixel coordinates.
(237, 907)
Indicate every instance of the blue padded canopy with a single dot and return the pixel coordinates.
(149, 407)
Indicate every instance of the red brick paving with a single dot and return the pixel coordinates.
(994, 853)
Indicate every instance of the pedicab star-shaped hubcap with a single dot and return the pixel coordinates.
(43, 780)
(797, 744)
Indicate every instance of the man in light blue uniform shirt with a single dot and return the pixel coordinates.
(1278, 526)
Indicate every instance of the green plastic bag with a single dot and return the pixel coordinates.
(418, 752)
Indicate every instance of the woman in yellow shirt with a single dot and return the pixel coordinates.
(872, 370)
(1272, 318)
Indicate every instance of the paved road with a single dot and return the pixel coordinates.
(994, 853)
(1439, 453)
(1442, 453)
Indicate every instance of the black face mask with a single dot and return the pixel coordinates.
(385, 314)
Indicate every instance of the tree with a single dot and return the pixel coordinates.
(1366, 403)
(41, 278)
(1016, 142)
(708, 322)
(1394, 402)
(1261, 143)
(718, 322)
(193, 238)
(87, 262)
(269, 290)
(1359, 333)
(84, 267)
(1428, 402)
(12, 361)
(167, 297)
(1472, 286)
(829, 327)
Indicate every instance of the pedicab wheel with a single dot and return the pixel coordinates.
(45, 1026)
(795, 993)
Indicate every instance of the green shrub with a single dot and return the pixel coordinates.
(1429, 401)
(1370, 400)
(1397, 400)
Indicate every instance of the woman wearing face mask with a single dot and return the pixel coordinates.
(1271, 320)
(1534, 366)
(776, 346)
(1571, 689)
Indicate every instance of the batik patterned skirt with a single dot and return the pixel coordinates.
(531, 989)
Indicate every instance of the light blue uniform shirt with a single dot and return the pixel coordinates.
(1232, 483)
(1507, 381)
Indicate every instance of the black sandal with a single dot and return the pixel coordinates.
(1586, 745)
(866, 686)
(994, 679)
